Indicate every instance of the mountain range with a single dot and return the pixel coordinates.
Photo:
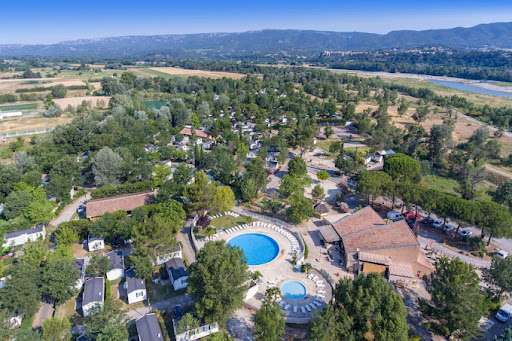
(495, 35)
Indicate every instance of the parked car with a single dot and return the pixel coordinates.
(448, 228)
(465, 233)
(437, 224)
(505, 313)
(394, 216)
(178, 313)
(428, 220)
(80, 209)
(411, 215)
(502, 254)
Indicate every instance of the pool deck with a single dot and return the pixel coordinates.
(279, 270)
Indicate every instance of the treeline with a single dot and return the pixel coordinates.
(43, 88)
(490, 216)
(113, 190)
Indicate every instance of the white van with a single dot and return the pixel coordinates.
(505, 313)
(502, 254)
(394, 216)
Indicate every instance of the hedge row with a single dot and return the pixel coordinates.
(113, 190)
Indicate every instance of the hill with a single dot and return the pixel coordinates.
(497, 35)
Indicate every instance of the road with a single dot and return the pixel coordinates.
(184, 238)
(67, 213)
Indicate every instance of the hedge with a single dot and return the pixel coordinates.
(113, 190)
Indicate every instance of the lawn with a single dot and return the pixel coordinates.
(158, 292)
(325, 144)
(158, 73)
(26, 106)
(228, 221)
(450, 186)
(67, 309)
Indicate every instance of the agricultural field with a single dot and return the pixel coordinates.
(168, 72)
(75, 101)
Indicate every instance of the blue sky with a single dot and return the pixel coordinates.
(51, 21)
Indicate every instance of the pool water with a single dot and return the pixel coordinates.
(293, 290)
(258, 248)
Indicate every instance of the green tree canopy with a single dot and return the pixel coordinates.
(500, 275)
(224, 199)
(218, 281)
(301, 208)
(56, 329)
(402, 167)
(269, 322)
(59, 279)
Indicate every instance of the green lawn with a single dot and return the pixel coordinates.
(450, 186)
(26, 106)
(228, 221)
(159, 73)
(325, 144)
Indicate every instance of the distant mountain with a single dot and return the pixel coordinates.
(498, 35)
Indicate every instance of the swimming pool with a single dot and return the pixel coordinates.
(258, 248)
(293, 290)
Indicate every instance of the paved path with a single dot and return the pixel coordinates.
(184, 237)
(183, 301)
(480, 263)
(67, 213)
(44, 312)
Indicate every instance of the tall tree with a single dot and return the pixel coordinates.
(297, 167)
(224, 199)
(59, 279)
(217, 281)
(106, 167)
(439, 141)
(300, 208)
(106, 322)
(269, 322)
(22, 294)
(499, 275)
(402, 167)
(456, 304)
(200, 193)
(56, 329)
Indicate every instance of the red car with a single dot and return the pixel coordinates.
(411, 215)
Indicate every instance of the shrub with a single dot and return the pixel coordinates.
(113, 190)
(108, 289)
(477, 244)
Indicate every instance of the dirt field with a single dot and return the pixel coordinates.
(75, 101)
(33, 123)
(199, 73)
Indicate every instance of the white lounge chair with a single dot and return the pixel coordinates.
(287, 307)
(310, 276)
(321, 296)
(308, 307)
(294, 308)
(318, 304)
(303, 310)
(320, 286)
(321, 292)
(315, 278)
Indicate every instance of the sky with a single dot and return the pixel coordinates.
(52, 21)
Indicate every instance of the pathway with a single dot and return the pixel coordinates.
(480, 263)
(183, 301)
(184, 237)
(44, 312)
(67, 213)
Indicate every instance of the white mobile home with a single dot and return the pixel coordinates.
(24, 236)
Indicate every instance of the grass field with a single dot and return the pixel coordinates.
(450, 186)
(169, 72)
(325, 144)
(228, 221)
(25, 106)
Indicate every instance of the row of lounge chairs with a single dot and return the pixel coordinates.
(233, 214)
(316, 304)
(237, 228)
(293, 240)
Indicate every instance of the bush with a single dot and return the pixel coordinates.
(52, 111)
(108, 289)
(477, 244)
(306, 251)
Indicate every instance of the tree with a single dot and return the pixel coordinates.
(200, 193)
(336, 147)
(161, 172)
(503, 194)
(322, 175)
(17, 203)
(255, 170)
(21, 294)
(456, 304)
(318, 192)
(142, 266)
(297, 167)
(328, 131)
(224, 199)
(420, 114)
(56, 329)
(187, 322)
(66, 235)
(154, 235)
(402, 167)
(59, 279)
(350, 165)
(248, 189)
(106, 167)
(59, 91)
(107, 322)
(269, 322)
(372, 184)
(9, 176)
(98, 266)
(218, 281)
(439, 141)
(366, 308)
(300, 208)
(500, 276)
(52, 111)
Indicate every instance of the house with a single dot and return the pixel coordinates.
(125, 202)
(94, 294)
(386, 153)
(178, 273)
(199, 133)
(252, 155)
(365, 232)
(116, 260)
(79, 265)
(196, 333)
(24, 236)
(148, 328)
(321, 210)
(372, 160)
(167, 253)
(135, 287)
(95, 243)
(208, 144)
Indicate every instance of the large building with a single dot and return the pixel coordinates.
(126, 202)
(24, 236)
(370, 244)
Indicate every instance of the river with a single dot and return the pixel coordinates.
(468, 87)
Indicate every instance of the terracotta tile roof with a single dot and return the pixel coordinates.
(393, 235)
(199, 133)
(401, 269)
(423, 260)
(361, 220)
(369, 267)
(374, 258)
(125, 202)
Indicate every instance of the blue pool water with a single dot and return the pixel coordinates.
(293, 290)
(258, 248)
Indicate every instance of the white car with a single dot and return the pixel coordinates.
(394, 216)
(437, 224)
(448, 228)
(502, 254)
(465, 233)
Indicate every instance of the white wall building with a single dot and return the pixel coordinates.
(24, 236)
(116, 260)
(94, 294)
(135, 288)
(95, 243)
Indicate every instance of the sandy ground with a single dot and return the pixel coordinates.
(33, 123)
(199, 73)
(75, 101)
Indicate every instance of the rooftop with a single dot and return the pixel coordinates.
(328, 233)
(177, 268)
(148, 328)
(361, 220)
(36, 229)
(199, 133)
(125, 202)
(94, 290)
(116, 259)
(134, 283)
(321, 208)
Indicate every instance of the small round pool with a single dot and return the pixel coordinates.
(258, 248)
(293, 290)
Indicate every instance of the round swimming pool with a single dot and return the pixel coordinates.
(258, 248)
(293, 290)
